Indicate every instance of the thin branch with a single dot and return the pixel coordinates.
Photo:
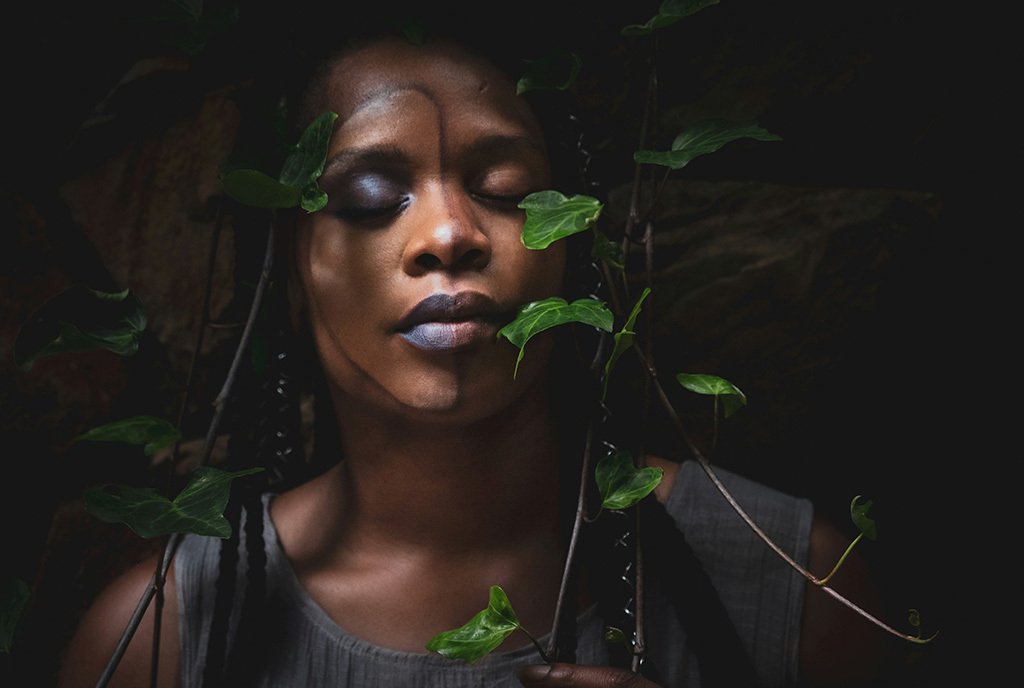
(581, 507)
(220, 404)
(639, 642)
(634, 199)
(204, 321)
(704, 464)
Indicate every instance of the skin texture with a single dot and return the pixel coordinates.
(403, 539)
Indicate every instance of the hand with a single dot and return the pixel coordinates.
(553, 675)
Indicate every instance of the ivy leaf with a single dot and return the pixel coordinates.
(480, 635)
(732, 397)
(621, 484)
(153, 433)
(305, 163)
(551, 216)
(607, 250)
(614, 635)
(296, 185)
(623, 339)
(555, 71)
(198, 508)
(669, 12)
(306, 159)
(313, 198)
(859, 516)
(81, 319)
(252, 187)
(14, 596)
(537, 316)
(702, 138)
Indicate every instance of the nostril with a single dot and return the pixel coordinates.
(472, 258)
(428, 261)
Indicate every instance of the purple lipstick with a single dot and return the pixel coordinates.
(450, 322)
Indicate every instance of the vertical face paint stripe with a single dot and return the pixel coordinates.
(419, 163)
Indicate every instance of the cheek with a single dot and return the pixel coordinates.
(343, 266)
(544, 270)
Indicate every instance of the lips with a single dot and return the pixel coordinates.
(450, 322)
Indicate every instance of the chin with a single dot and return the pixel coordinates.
(471, 399)
(457, 390)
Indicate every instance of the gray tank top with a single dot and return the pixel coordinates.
(763, 596)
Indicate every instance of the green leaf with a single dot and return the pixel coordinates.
(623, 339)
(702, 138)
(252, 187)
(555, 71)
(607, 250)
(614, 635)
(480, 635)
(669, 13)
(313, 198)
(14, 596)
(551, 216)
(297, 184)
(537, 316)
(306, 159)
(198, 508)
(81, 319)
(860, 518)
(732, 398)
(153, 433)
(620, 483)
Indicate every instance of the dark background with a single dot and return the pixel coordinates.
(850, 278)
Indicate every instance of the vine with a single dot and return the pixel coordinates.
(82, 319)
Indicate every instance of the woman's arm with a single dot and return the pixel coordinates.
(103, 624)
(838, 647)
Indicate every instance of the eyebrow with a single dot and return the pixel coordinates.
(372, 155)
(503, 144)
(491, 145)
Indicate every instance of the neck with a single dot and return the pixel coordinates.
(480, 487)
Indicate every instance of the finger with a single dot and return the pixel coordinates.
(553, 675)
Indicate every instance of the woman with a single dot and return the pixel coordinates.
(454, 475)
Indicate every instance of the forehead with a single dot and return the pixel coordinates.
(459, 83)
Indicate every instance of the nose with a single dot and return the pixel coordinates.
(445, 234)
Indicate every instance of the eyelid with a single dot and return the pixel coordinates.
(505, 182)
(371, 214)
(503, 198)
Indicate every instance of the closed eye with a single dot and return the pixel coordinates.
(368, 197)
(371, 213)
(502, 201)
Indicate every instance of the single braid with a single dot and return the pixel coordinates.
(216, 648)
(266, 431)
(278, 434)
(251, 637)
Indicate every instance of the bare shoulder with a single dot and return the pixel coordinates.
(838, 647)
(101, 627)
(670, 474)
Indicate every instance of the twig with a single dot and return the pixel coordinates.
(570, 556)
(704, 464)
(172, 543)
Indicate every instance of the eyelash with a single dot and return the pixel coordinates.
(369, 215)
(509, 202)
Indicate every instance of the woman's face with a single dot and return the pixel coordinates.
(416, 261)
